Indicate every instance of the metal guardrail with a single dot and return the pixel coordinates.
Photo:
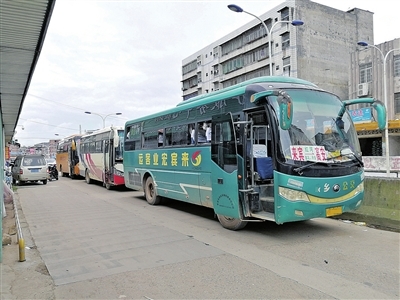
(20, 236)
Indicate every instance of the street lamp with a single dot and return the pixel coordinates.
(238, 9)
(384, 57)
(103, 117)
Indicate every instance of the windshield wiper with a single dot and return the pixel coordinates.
(300, 169)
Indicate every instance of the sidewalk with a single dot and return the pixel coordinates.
(28, 279)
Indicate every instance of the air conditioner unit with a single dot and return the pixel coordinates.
(362, 89)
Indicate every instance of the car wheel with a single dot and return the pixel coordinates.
(45, 181)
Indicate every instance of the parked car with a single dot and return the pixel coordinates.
(31, 168)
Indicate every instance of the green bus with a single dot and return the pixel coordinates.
(270, 148)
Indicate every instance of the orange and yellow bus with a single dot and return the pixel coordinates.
(67, 158)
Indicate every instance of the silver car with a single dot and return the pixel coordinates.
(31, 168)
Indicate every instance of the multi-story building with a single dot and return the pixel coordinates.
(318, 51)
(324, 51)
(367, 79)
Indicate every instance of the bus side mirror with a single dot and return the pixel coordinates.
(285, 110)
(286, 115)
(285, 105)
(378, 105)
(381, 113)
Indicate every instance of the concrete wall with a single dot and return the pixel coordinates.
(381, 206)
(377, 165)
(325, 42)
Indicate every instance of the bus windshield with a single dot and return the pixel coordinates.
(316, 133)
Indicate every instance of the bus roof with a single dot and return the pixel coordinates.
(69, 138)
(231, 91)
(272, 79)
(106, 129)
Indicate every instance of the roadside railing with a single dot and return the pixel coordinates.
(20, 236)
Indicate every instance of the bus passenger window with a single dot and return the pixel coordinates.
(201, 134)
(150, 140)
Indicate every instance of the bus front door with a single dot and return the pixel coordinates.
(224, 167)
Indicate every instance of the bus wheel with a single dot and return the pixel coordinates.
(231, 223)
(108, 186)
(150, 192)
(87, 177)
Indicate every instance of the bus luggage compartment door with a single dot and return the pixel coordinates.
(224, 168)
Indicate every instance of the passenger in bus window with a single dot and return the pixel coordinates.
(160, 138)
(192, 135)
(208, 133)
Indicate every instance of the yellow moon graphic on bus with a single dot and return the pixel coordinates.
(196, 158)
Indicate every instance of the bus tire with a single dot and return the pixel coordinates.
(87, 177)
(150, 192)
(231, 223)
(108, 186)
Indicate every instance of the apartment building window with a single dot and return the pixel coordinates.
(232, 45)
(285, 40)
(286, 66)
(397, 66)
(253, 34)
(366, 73)
(397, 103)
(189, 67)
(232, 65)
(189, 83)
(255, 55)
(215, 51)
(285, 14)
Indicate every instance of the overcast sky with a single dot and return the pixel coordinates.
(126, 56)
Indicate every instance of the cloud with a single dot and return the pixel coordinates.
(126, 56)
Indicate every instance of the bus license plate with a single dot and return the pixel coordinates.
(334, 211)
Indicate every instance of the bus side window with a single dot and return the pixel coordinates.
(150, 139)
(201, 133)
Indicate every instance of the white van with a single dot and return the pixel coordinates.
(31, 168)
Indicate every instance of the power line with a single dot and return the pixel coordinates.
(57, 103)
(49, 124)
(70, 106)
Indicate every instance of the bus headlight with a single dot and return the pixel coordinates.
(118, 173)
(359, 188)
(293, 195)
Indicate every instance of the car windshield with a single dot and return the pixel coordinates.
(317, 134)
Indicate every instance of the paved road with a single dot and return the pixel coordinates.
(111, 244)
